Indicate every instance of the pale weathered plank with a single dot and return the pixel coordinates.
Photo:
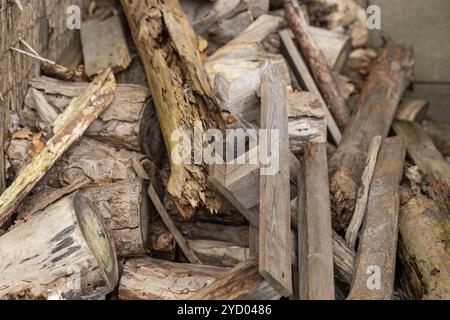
(275, 218)
(375, 262)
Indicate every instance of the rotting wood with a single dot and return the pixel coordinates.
(275, 217)
(182, 243)
(375, 111)
(363, 193)
(104, 45)
(304, 76)
(319, 67)
(151, 279)
(316, 276)
(81, 112)
(181, 91)
(423, 243)
(430, 161)
(241, 283)
(72, 259)
(375, 262)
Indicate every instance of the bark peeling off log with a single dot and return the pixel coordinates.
(168, 48)
(374, 114)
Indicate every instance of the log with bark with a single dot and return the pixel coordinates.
(130, 121)
(72, 259)
(123, 205)
(183, 97)
(374, 114)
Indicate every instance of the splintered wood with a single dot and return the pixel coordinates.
(375, 262)
(275, 216)
(250, 150)
(69, 127)
(181, 91)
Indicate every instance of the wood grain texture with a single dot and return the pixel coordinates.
(183, 96)
(275, 217)
(363, 193)
(72, 259)
(316, 276)
(423, 249)
(125, 124)
(375, 262)
(69, 127)
(427, 157)
(373, 116)
(241, 283)
(151, 279)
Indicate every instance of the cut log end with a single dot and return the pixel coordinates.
(94, 231)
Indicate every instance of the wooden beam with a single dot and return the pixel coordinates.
(275, 218)
(374, 113)
(69, 127)
(363, 193)
(315, 243)
(375, 262)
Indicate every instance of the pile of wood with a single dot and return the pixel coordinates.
(97, 207)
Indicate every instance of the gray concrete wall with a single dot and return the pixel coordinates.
(425, 24)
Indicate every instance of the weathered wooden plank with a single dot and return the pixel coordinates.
(373, 116)
(375, 262)
(316, 275)
(275, 218)
(363, 193)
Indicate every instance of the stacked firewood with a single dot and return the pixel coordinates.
(97, 205)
